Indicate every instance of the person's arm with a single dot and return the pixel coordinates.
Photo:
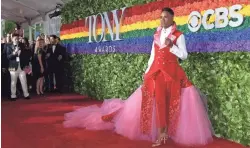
(4, 59)
(40, 60)
(151, 59)
(63, 52)
(31, 55)
(11, 54)
(48, 52)
(180, 49)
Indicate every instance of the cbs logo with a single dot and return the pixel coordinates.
(222, 15)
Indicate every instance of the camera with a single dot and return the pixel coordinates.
(57, 12)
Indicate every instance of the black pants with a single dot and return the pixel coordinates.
(5, 85)
(47, 83)
(59, 80)
(30, 81)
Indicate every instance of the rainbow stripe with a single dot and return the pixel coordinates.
(137, 31)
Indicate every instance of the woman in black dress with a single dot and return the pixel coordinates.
(39, 65)
(46, 76)
(29, 54)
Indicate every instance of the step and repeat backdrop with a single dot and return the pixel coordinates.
(220, 26)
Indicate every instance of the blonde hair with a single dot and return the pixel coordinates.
(39, 43)
(47, 41)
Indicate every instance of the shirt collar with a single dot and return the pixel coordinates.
(165, 30)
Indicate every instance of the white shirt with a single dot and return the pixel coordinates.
(179, 49)
(54, 48)
(18, 58)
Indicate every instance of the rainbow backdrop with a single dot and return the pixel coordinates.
(141, 21)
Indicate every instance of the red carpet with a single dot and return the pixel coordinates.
(37, 123)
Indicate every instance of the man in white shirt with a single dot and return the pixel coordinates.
(179, 49)
(17, 62)
(164, 78)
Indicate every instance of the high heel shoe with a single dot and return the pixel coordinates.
(162, 140)
(41, 93)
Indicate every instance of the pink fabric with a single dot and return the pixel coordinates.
(90, 117)
(194, 127)
(27, 70)
(130, 115)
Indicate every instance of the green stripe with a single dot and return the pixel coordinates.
(149, 32)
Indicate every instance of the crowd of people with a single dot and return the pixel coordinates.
(38, 64)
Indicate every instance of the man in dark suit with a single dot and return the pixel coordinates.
(18, 60)
(5, 85)
(55, 58)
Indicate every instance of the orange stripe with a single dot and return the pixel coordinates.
(179, 11)
(205, 5)
(74, 30)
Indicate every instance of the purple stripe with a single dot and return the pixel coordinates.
(138, 48)
(225, 46)
(146, 47)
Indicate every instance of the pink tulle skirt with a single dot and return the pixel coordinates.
(194, 127)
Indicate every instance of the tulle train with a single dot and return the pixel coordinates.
(194, 127)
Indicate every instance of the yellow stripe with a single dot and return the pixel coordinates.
(181, 20)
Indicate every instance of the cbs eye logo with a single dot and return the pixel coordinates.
(223, 18)
(194, 21)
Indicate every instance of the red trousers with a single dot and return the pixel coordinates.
(160, 90)
(162, 100)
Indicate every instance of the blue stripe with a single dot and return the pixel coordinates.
(233, 35)
(204, 42)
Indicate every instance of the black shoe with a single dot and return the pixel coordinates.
(56, 91)
(12, 99)
(52, 91)
(27, 98)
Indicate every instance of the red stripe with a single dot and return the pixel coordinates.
(138, 10)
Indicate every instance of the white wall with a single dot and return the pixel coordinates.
(2, 26)
(34, 21)
(51, 26)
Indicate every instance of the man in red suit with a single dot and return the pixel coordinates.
(164, 78)
(167, 101)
